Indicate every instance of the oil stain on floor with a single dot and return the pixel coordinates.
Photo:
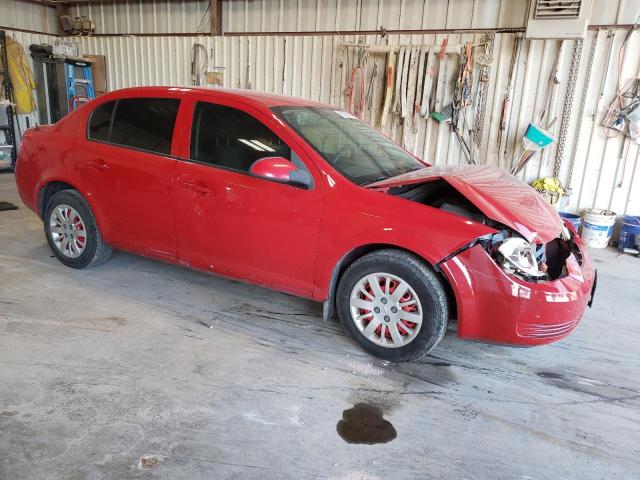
(364, 423)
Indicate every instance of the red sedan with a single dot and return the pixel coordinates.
(306, 199)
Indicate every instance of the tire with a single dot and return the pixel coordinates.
(85, 246)
(425, 297)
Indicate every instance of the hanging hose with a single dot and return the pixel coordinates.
(351, 86)
(618, 114)
(199, 63)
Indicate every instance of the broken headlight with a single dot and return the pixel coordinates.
(518, 256)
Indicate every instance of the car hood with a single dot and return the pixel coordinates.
(499, 195)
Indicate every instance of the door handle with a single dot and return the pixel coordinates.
(98, 164)
(196, 188)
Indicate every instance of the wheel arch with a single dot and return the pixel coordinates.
(50, 187)
(329, 305)
(48, 190)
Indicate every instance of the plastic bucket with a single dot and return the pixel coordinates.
(629, 232)
(597, 227)
(575, 220)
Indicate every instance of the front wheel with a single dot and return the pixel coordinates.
(393, 305)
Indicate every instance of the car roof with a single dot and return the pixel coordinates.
(248, 96)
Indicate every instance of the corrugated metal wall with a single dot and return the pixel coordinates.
(317, 67)
(192, 16)
(17, 14)
(346, 15)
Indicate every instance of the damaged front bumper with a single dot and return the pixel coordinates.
(497, 307)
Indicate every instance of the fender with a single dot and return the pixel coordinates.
(329, 304)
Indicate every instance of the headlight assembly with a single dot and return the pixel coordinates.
(517, 255)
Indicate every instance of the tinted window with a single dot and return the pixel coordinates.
(99, 122)
(145, 123)
(231, 138)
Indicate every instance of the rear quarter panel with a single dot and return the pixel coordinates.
(50, 153)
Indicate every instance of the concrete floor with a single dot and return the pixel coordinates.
(112, 373)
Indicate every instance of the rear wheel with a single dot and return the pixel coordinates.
(393, 305)
(72, 232)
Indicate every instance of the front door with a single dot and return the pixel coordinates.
(231, 222)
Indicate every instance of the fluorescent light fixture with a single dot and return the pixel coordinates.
(247, 142)
(266, 147)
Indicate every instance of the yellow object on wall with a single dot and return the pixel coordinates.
(21, 77)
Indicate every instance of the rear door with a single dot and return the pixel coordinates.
(129, 167)
(232, 222)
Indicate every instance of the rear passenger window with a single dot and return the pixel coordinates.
(231, 138)
(100, 121)
(145, 123)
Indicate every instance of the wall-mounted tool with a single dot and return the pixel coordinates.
(399, 71)
(441, 83)
(404, 104)
(408, 133)
(503, 131)
(462, 100)
(548, 115)
(611, 36)
(417, 106)
(388, 88)
(428, 82)
(464, 82)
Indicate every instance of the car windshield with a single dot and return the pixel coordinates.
(359, 152)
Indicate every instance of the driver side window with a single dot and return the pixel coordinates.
(231, 138)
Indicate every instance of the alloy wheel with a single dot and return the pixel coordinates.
(68, 231)
(386, 310)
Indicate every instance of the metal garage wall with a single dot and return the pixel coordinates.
(317, 67)
(192, 16)
(144, 16)
(18, 14)
(347, 15)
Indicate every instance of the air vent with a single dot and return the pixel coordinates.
(558, 9)
(562, 19)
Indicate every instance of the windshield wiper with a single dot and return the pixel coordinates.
(386, 177)
(378, 179)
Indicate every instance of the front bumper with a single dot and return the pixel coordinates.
(499, 308)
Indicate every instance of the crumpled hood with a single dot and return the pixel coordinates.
(499, 195)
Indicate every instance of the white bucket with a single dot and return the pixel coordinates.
(597, 227)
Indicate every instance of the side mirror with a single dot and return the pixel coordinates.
(279, 169)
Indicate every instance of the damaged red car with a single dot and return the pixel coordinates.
(307, 199)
